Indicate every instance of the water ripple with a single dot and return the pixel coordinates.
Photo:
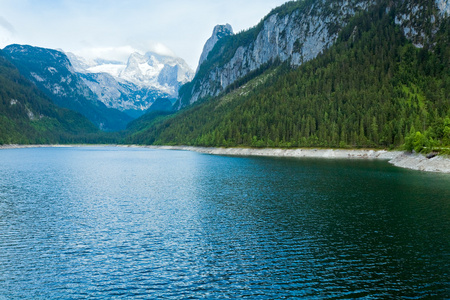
(103, 223)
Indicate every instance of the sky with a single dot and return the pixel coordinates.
(113, 29)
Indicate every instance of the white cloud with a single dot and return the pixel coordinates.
(109, 53)
(5, 36)
(121, 53)
(114, 28)
(6, 31)
(6, 25)
(160, 49)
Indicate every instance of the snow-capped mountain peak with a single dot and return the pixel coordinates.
(150, 70)
(142, 70)
(112, 69)
(135, 84)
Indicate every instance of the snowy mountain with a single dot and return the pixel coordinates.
(132, 87)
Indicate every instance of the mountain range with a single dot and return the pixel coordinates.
(132, 87)
(312, 73)
(108, 93)
(296, 32)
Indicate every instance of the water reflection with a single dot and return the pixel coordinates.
(111, 222)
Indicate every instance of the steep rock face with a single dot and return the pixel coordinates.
(173, 75)
(132, 87)
(299, 35)
(53, 74)
(158, 72)
(48, 68)
(219, 32)
(413, 14)
(443, 6)
(297, 32)
(121, 95)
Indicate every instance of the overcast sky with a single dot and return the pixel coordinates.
(113, 29)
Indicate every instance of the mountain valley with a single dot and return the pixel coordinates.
(310, 74)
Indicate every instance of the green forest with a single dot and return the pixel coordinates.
(373, 88)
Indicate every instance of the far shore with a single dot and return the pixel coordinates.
(400, 159)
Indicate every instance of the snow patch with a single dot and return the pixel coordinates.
(112, 69)
(136, 84)
(67, 79)
(37, 77)
(52, 70)
(57, 89)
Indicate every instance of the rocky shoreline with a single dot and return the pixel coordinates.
(440, 164)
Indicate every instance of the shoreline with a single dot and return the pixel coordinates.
(438, 164)
(401, 159)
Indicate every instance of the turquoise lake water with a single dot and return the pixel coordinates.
(105, 222)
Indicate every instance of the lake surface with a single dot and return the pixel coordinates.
(107, 222)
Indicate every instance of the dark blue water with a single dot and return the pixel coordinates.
(139, 223)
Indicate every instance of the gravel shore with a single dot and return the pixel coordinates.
(400, 159)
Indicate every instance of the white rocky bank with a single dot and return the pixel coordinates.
(397, 158)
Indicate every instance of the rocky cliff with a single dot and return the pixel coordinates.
(219, 32)
(296, 32)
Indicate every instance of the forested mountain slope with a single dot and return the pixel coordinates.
(375, 87)
(53, 74)
(27, 116)
(297, 32)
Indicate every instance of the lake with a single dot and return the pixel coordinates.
(107, 222)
